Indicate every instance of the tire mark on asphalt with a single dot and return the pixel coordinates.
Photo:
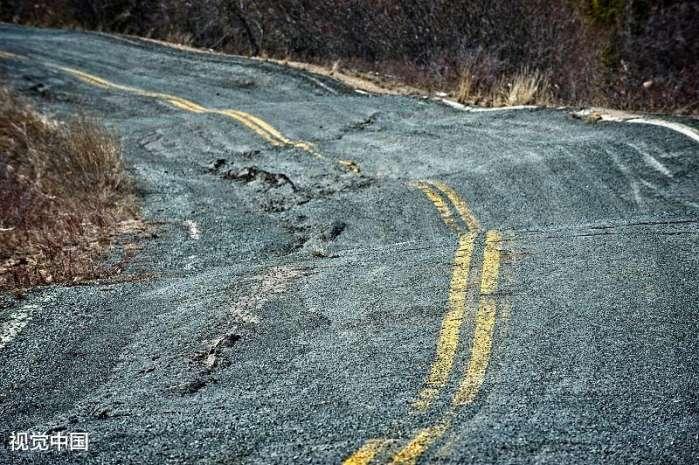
(260, 127)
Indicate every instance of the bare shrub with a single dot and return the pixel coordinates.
(63, 196)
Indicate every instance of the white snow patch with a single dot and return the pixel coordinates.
(621, 117)
(18, 319)
(193, 229)
(681, 128)
(320, 83)
(453, 104)
(514, 107)
(459, 106)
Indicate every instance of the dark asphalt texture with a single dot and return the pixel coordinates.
(323, 297)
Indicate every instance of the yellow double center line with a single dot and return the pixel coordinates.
(446, 201)
(251, 122)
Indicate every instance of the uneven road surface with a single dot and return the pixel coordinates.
(339, 277)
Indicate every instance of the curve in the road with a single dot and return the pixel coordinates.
(255, 124)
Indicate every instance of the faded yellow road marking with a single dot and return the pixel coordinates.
(491, 263)
(253, 123)
(365, 454)
(482, 343)
(267, 132)
(448, 340)
(481, 347)
(272, 139)
(439, 203)
(460, 205)
(422, 441)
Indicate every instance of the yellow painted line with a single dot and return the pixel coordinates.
(262, 124)
(491, 263)
(242, 118)
(421, 442)
(481, 347)
(250, 125)
(448, 340)
(482, 343)
(181, 103)
(251, 121)
(365, 454)
(92, 82)
(439, 203)
(96, 80)
(460, 205)
(255, 124)
(273, 136)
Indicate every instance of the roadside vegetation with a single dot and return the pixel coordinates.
(64, 197)
(627, 54)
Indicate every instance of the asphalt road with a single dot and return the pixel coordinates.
(370, 279)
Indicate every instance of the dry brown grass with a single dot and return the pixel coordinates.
(464, 92)
(64, 196)
(525, 87)
(178, 37)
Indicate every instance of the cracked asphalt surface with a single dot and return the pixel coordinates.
(288, 309)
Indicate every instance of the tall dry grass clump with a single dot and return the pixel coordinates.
(64, 195)
(525, 87)
(465, 90)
